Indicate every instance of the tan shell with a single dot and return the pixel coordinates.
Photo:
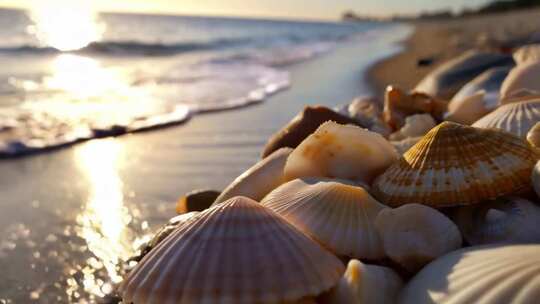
(517, 117)
(365, 284)
(508, 220)
(522, 77)
(366, 112)
(533, 137)
(235, 252)
(457, 165)
(414, 235)
(484, 274)
(527, 53)
(535, 178)
(415, 125)
(469, 109)
(338, 215)
(260, 179)
(339, 151)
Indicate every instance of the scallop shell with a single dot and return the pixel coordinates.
(338, 215)
(522, 77)
(260, 179)
(535, 178)
(235, 252)
(363, 283)
(414, 235)
(484, 274)
(457, 165)
(512, 220)
(347, 152)
(533, 136)
(415, 125)
(517, 118)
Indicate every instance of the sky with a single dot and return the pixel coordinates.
(304, 9)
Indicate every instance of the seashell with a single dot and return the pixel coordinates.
(197, 200)
(535, 178)
(338, 215)
(363, 283)
(301, 126)
(457, 165)
(414, 235)
(235, 252)
(533, 136)
(448, 78)
(468, 110)
(347, 152)
(527, 53)
(508, 220)
(482, 274)
(398, 105)
(522, 77)
(517, 117)
(260, 179)
(415, 125)
(405, 144)
(366, 112)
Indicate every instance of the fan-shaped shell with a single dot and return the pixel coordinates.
(457, 165)
(517, 117)
(535, 178)
(533, 137)
(414, 235)
(485, 274)
(260, 179)
(235, 252)
(340, 216)
(522, 77)
(364, 284)
(341, 151)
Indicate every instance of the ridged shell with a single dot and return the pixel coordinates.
(517, 117)
(479, 275)
(522, 77)
(533, 136)
(235, 252)
(364, 284)
(414, 235)
(340, 216)
(341, 151)
(535, 178)
(260, 179)
(457, 165)
(508, 220)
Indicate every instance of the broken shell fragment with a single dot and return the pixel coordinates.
(341, 151)
(196, 200)
(414, 234)
(337, 214)
(415, 126)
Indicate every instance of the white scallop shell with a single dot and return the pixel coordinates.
(340, 216)
(260, 179)
(235, 252)
(363, 283)
(341, 151)
(414, 235)
(511, 220)
(522, 77)
(533, 136)
(517, 117)
(415, 125)
(479, 275)
(535, 178)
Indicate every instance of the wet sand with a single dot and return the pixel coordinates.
(69, 216)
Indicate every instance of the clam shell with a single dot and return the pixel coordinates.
(522, 77)
(414, 235)
(535, 178)
(512, 220)
(363, 283)
(457, 165)
(235, 252)
(415, 125)
(340, 216)
(517, 117)
(484, 274)
(339, 151)
(533, 136)
(258, 180)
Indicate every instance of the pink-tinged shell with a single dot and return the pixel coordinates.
(516, 118)
(341, 151)
(338, 215)
(500, 274)
(235, 252)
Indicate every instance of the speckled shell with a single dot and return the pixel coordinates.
(341, 151)
(338, 215)
(508, 220)
(533, 136)
(457, 165)
(363, 283)
(479, 275)
(523, 77)
(235, 252)
(258, 180)
(414, 235)
(535, 178)
(517, 117)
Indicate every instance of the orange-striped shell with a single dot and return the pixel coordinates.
(457, 165)
(235, 252)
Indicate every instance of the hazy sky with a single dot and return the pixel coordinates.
(318, 9)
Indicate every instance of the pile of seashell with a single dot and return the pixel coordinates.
(426, 201)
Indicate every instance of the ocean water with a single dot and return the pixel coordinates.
(70, 76)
